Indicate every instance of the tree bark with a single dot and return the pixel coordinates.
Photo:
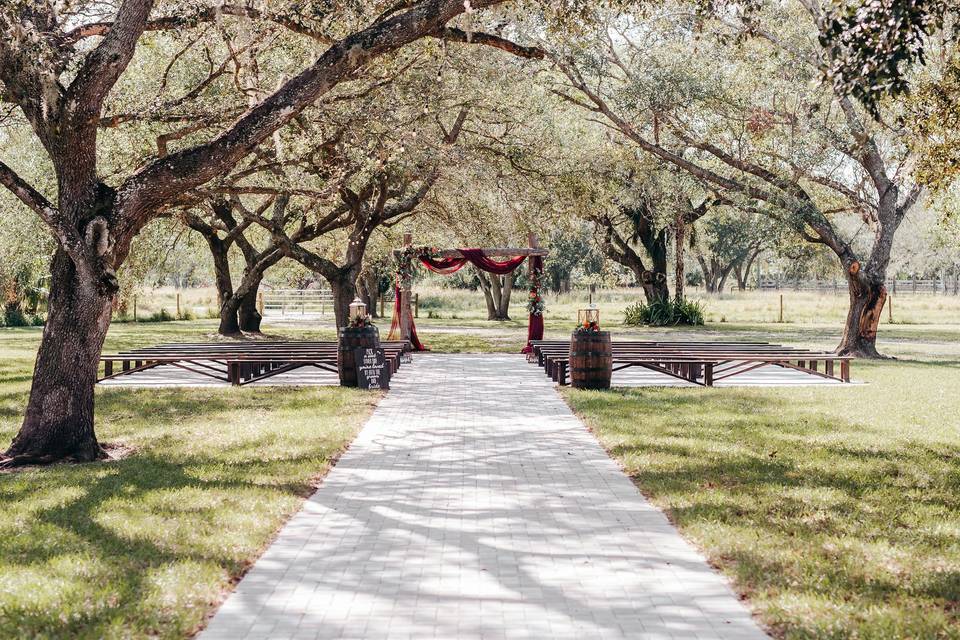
(58, 423)
(248, 314)
(224, 281)
(654, 282)
(344, 290)
(505, 291)
(370, 293)
(496, 293)
(867, 298)
(679, 275)
(487, 287)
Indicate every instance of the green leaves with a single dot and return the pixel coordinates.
(872, 44)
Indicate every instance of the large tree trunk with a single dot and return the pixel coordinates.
(248, 313)
(741, 273)
(344, 290)
(655, 285)
(487, 286)
(867, 297)
(370, 293)
(59, 418)
(679, 275)
(722, 284)
(505, 291)
(496, 293)
(229, 318)
(224, 281)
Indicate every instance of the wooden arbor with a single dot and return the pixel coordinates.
(406, 315)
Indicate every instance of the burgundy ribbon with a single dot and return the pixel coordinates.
(535, 322)
(476, 257)
(444, 266)
(395, 323)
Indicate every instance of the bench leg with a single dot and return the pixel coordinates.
(845, 370)
(708, 374)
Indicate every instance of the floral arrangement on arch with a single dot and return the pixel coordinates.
(405, 261)
(535, 303)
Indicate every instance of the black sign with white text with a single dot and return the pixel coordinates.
(372, 369)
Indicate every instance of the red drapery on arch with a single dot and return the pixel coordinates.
(447, 266)
(535, 323)
(476, 257)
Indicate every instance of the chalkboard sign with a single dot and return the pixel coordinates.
(372, 369)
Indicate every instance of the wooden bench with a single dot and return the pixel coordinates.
(236, 362)
(701, 363)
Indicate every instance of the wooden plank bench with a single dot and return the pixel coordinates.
(236, 363)
(700, 363)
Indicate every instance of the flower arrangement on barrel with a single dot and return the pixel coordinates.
(588, 321)
(358, 319)
(360, 323)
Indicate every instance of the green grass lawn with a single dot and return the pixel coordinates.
(145, 546)
(835, 510)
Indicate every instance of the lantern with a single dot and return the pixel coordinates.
(589, 316)
(358, 312)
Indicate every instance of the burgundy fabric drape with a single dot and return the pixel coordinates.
(535, 323)
(395, 323)
(444, 266)
(447, 266)
(481, 261)
(476, 257)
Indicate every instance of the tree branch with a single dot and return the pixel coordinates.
(102, 67)
(150, 187)
(489, 40)
(178, 22)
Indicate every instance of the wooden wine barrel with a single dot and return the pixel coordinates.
(591, 360)
(348, 339)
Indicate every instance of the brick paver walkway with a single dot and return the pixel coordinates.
(474, 504)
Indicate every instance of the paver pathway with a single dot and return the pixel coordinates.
(474, 504)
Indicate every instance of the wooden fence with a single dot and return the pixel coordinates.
(942, 286)
(296, 302)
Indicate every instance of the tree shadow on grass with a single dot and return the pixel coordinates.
(794, 502)
(104, 538)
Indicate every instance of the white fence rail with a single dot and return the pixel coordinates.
(948, 286)
(297, 302)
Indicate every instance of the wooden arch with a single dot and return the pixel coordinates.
(406, 314)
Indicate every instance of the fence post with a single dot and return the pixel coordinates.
(178, 305)
(382, 297)
(781, 308)
(302, 303)
(260, 302)
(416, 305)
(134, 307)
(890, 309)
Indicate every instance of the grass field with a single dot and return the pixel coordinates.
(835, 510)
(146, 545)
